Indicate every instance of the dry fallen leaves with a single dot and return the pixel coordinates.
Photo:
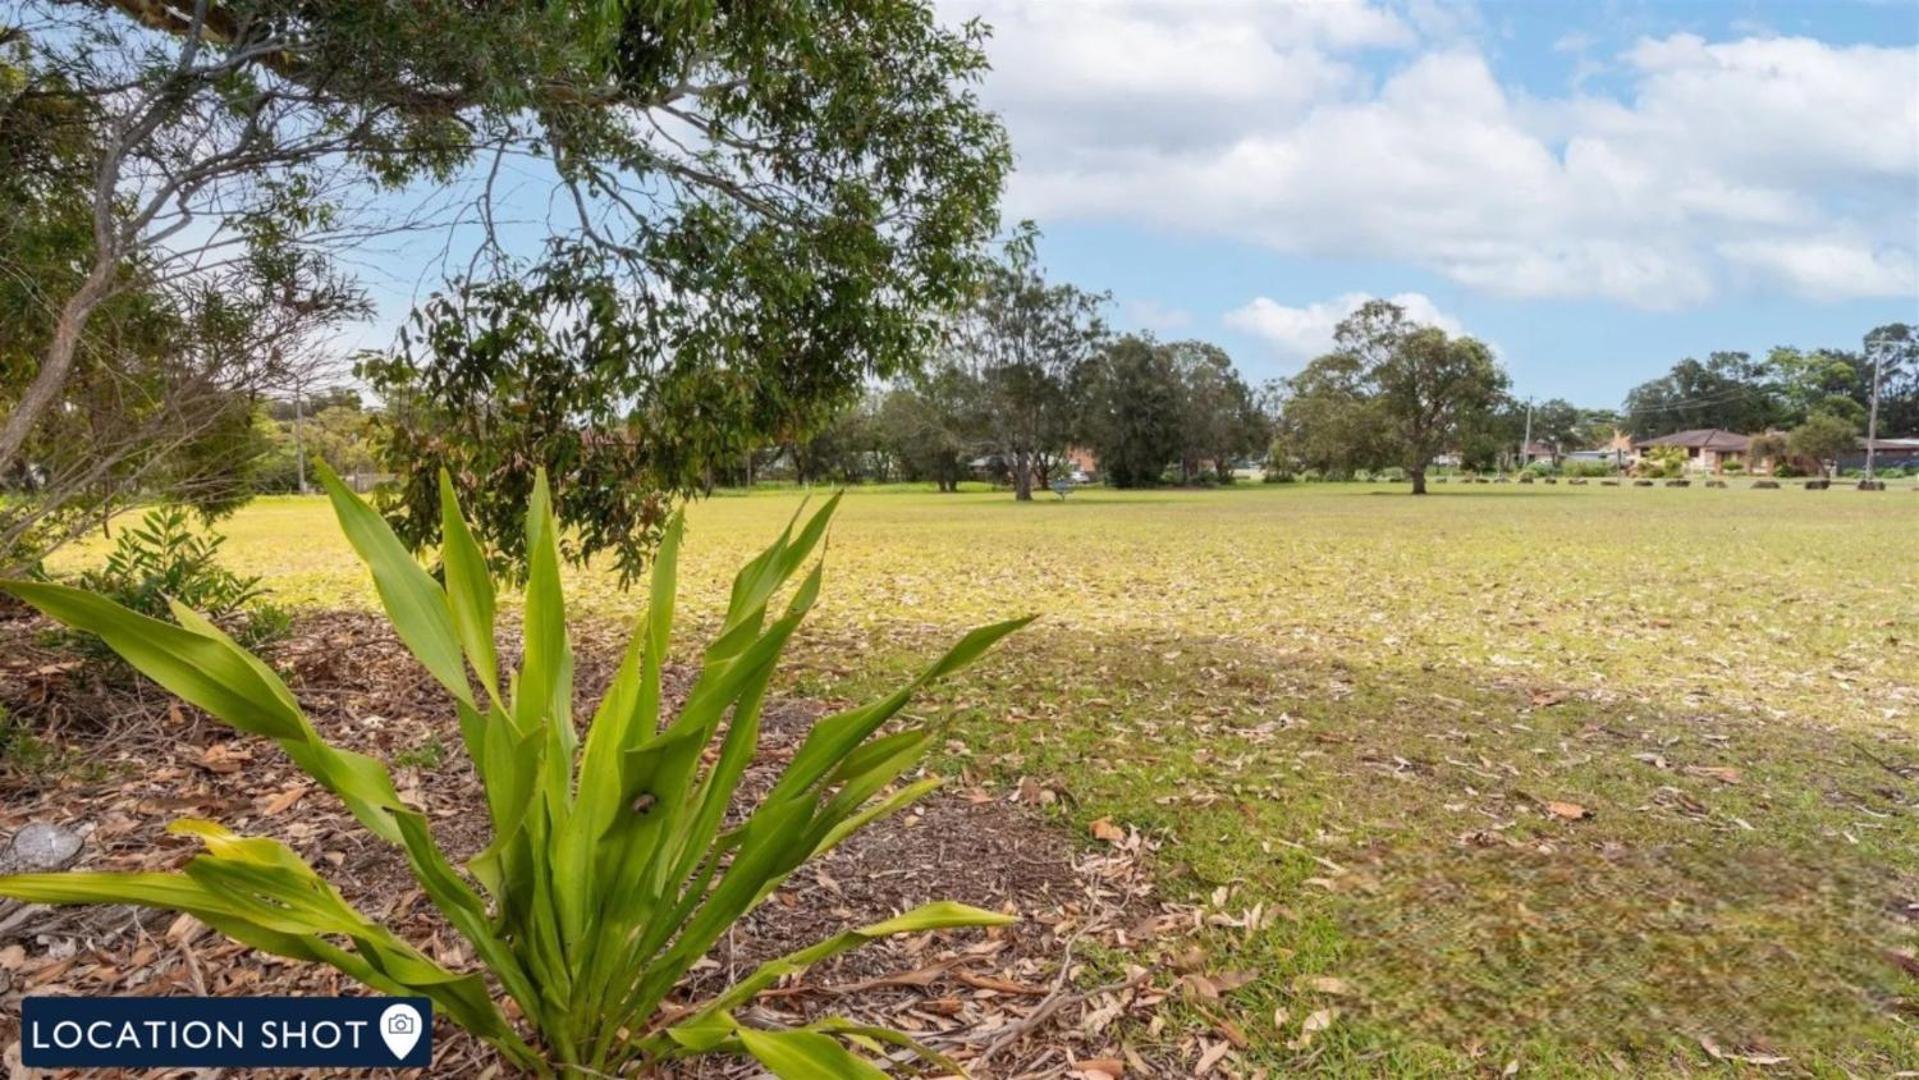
(1571, 811)
(1725, 774)
(1211, 1057)
(1104, 829)
(1325, 984)
(1713, 1051)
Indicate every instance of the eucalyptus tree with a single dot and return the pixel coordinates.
(1219, 420)
(1129, 398)
(1432, 389)
(1394, 392)
(743, 212)
(136, 375)
(1021, 340)
(1892, 374)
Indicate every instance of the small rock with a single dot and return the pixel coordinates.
(38, 848)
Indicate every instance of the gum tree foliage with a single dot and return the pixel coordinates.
(770, 204)
(1130, 411)
(753, 208)
(1432, 389)
(1219, 420)
(1805, 381)
(1560, 424)
(1021, 342)
(1824, 437)
(128, 373)
(1734, 392)
(1728, 390)
(927, 422)
(851, 449)
(1896, 348)
(1326, 419)
(1493, 442)
(1394, 392)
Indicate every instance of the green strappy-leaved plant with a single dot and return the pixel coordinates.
(613, 867)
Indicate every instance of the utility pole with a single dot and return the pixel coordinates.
(299, 448)
(1526, 445)
(1878, 350)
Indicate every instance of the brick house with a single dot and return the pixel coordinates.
(1708, 450)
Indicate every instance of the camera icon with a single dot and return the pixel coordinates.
(399, 1025)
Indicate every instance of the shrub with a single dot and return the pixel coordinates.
(1392, 474)
(1587, 468)
(614, 865)
(1734, 468)
(1662, 461)
(1785, 470)
(163, 560)
(1310, 476)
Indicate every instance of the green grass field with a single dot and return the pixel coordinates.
(1586, 779)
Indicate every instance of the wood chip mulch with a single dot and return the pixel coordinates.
(124, 760)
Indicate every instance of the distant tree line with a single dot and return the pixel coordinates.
(1027, 372)
(1144, 412)
(1395, 395)
(1785, 389)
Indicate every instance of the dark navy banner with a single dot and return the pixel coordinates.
(208, 1032)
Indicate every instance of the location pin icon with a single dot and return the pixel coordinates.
(400, 1027)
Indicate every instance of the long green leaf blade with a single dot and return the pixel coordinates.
(807, 1055)
(413, 600)
(469, 588)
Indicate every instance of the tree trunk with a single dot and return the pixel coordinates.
(1022, 478)
(58, 364)
(1419, 481)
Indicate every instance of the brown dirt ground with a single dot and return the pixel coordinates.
(129, 760)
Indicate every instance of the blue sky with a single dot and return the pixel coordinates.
(1595, 189)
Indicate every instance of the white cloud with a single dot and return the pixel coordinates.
(1757, 163)
(1298, 334)
(1148, 314)
(1830, 269)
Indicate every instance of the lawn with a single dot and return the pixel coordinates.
(1582, 779)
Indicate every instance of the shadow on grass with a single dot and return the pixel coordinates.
(1469, 490)
(1479, 861)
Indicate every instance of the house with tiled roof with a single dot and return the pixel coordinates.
(1708, 450)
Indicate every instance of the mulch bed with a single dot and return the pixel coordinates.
(130, 760)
